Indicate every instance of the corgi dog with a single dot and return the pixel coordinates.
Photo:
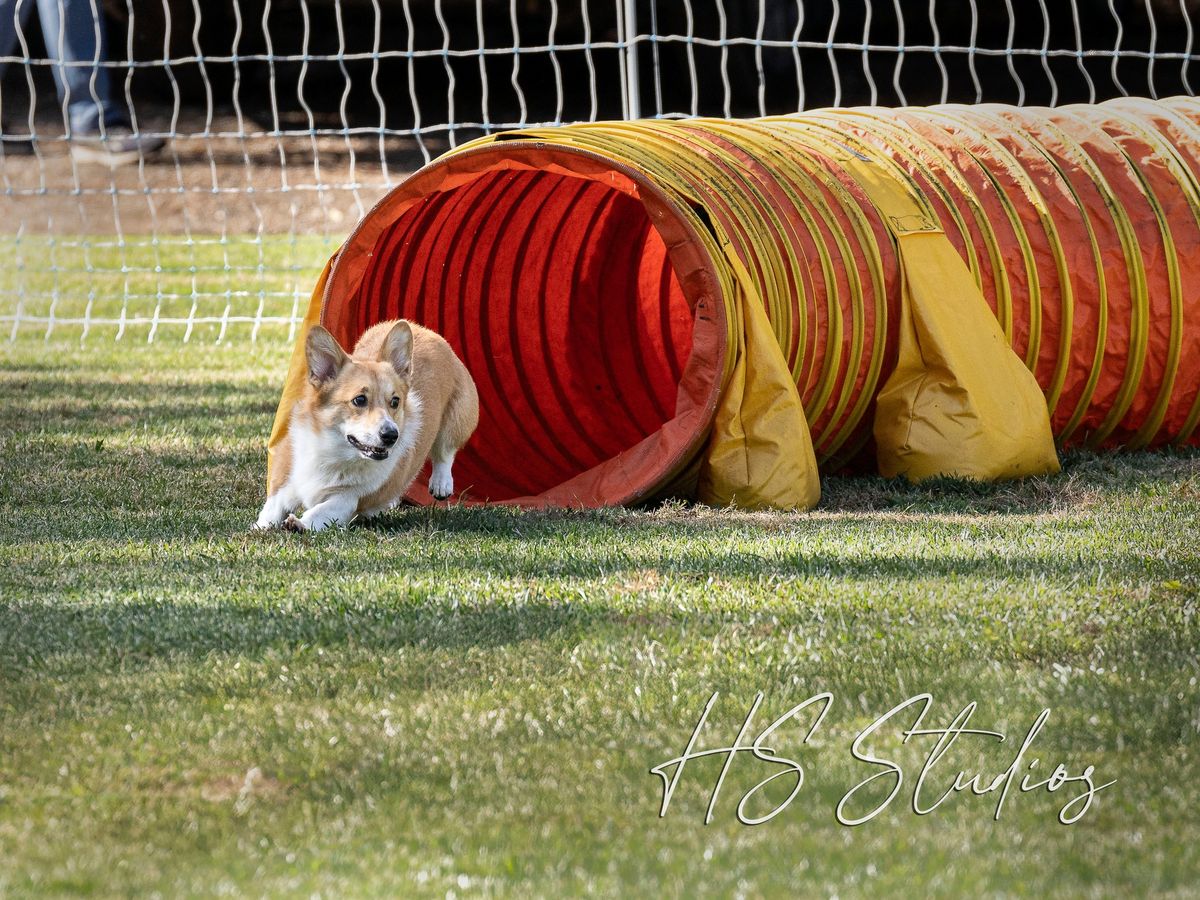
(365, 425)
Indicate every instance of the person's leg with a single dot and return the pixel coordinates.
(14, 20)
(12, 13)
(74, 32)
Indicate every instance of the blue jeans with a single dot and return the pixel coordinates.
(73, 31)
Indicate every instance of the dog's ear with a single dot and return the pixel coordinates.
(397, 348)
(325, 357)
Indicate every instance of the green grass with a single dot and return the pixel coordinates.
(470, 701)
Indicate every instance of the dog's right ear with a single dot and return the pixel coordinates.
(325, 357)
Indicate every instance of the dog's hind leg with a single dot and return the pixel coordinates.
(441, 478)
(462, 415)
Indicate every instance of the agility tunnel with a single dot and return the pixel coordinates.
(715, 309)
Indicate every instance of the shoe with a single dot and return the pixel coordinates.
(118, 146)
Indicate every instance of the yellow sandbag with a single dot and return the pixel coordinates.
(761, 453)
(960, 401)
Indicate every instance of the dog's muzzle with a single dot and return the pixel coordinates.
(368, 451)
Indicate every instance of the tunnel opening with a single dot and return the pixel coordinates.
(578, 298)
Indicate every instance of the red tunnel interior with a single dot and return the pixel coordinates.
(560, 296)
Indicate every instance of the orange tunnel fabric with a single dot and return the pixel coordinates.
(585, 276)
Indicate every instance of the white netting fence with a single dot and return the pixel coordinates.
(284, 120)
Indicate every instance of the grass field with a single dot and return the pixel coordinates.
(469, 702)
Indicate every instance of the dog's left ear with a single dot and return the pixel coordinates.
(397, 348)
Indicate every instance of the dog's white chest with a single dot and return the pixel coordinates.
(321, 466)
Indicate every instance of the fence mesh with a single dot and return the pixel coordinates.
(284, 120)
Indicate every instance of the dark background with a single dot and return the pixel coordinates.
(328, 85)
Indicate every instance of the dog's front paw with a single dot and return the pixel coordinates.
(273, 513)
(441, 483)
(292, 523)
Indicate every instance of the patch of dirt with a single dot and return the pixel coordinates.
(641, 581)
(241, 789)
(210, 180)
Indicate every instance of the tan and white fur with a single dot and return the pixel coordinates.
(365, 425)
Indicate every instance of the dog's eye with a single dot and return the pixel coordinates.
(360, 400)
(395, 403)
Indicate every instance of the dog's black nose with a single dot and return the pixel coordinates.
(388, 435)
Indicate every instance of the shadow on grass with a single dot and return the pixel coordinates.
(1083, 484)
(34, 630)
(44, 645)
(75, 642)
(513, 559)
(67, 403)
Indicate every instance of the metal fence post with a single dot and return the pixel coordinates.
(629, 61)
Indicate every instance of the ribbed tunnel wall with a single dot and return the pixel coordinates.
(584, 275)
(559, 297)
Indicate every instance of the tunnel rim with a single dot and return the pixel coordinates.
(699, 284)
